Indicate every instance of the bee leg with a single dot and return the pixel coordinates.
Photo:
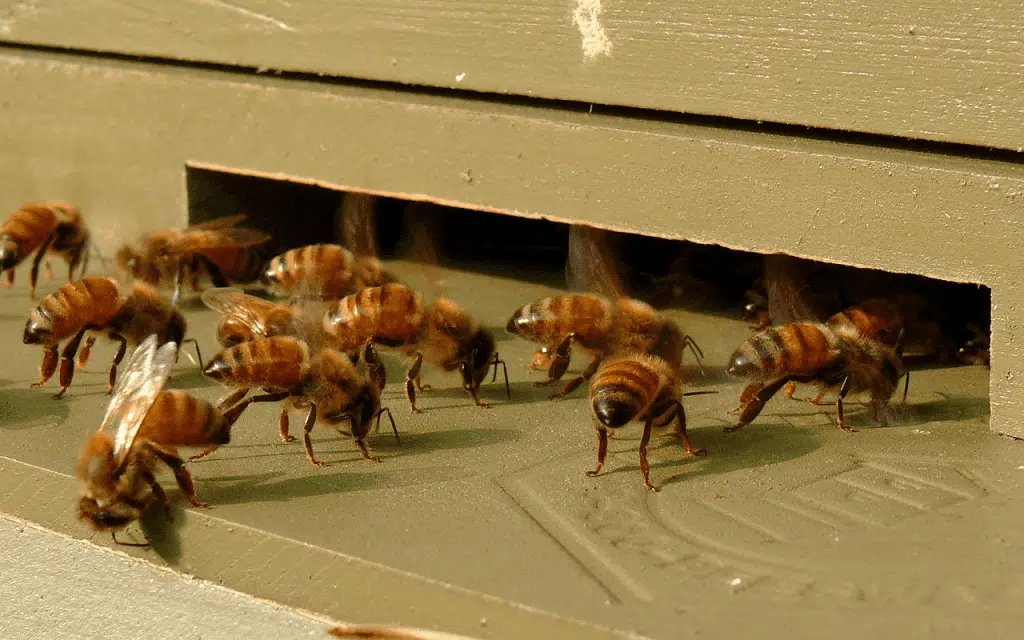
(118, 357)
(366, 452)
(8, 278)
(843, 390)
(33, 275)
(83, 355)
(67, 361)
(681, 431)
(216, 275)
(284, 425)
(413, 374)
(48, 270)
(791, 391)
(578, 380)
(746, 396)
(560, 357)
(158, 491)
(476, 399)
(181, 474)
(754, 406)
(47, 367)
(817, 399)
(374, 365)
(602, 451)
(306, 428)
(230, 401)
(906, 387)
(644, 467)
(179, 277)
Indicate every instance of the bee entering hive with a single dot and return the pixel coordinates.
(649, 321)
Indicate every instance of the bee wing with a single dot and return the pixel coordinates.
(593, 264)
(141, 379)
(359, 224)
(197, 240)
(789, 291)
(421, 228)
(219, 223)
(229, 301)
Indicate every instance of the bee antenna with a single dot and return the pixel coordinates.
(496, 362)
(198, 355)
(906, 387)
(899, 342)
(698, 393)
(698, 353)
(113, 535)
(392, 419)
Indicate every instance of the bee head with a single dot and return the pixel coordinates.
(129, 262)
(109, 517)
(479, 359)
(10, 252)
(614, 405)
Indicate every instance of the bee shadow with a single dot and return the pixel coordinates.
(470, 438)
(269, 487)
(742, 449)
(499, 334)
(165, 537)
(945, 407)
(521, 392)
(24, 408)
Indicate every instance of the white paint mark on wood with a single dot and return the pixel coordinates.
(459, 77)
(587, 19)
(249, 13)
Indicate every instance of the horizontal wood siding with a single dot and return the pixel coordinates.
(948, 70)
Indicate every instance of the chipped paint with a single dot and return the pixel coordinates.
(586, 17)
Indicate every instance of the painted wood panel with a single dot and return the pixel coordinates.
(948, 71)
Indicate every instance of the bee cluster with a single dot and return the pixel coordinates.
(314, 347)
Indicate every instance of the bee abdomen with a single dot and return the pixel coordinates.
(30, 225)
(622, 390)
(93, 300)
(788, 349)
(181, 420)
(280, 362)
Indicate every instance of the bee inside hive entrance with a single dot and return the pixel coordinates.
(766, 322)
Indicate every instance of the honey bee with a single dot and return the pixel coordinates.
(48, 228)
(323, 271)
(603, 325)
(144, 425)
(216, 247)
(98, 304)
(836, 357)
(326, 383)
(638, 387)
(441, 333)
(245, 317)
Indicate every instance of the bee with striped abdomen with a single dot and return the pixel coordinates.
(322, 271)
(216, 247)
(144, 425)
(441, 333)
(643, 388)
(603, 324)
(839, 358)
(98, 304)
(323, 382)
(47, 228)
(245, 317)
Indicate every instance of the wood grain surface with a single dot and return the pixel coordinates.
(949, 71)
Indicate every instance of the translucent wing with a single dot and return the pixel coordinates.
(358, 224)
(197, 240)
(219, 223)
(141, 379)
(593, 264)
(229, 301)
(790, 297)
